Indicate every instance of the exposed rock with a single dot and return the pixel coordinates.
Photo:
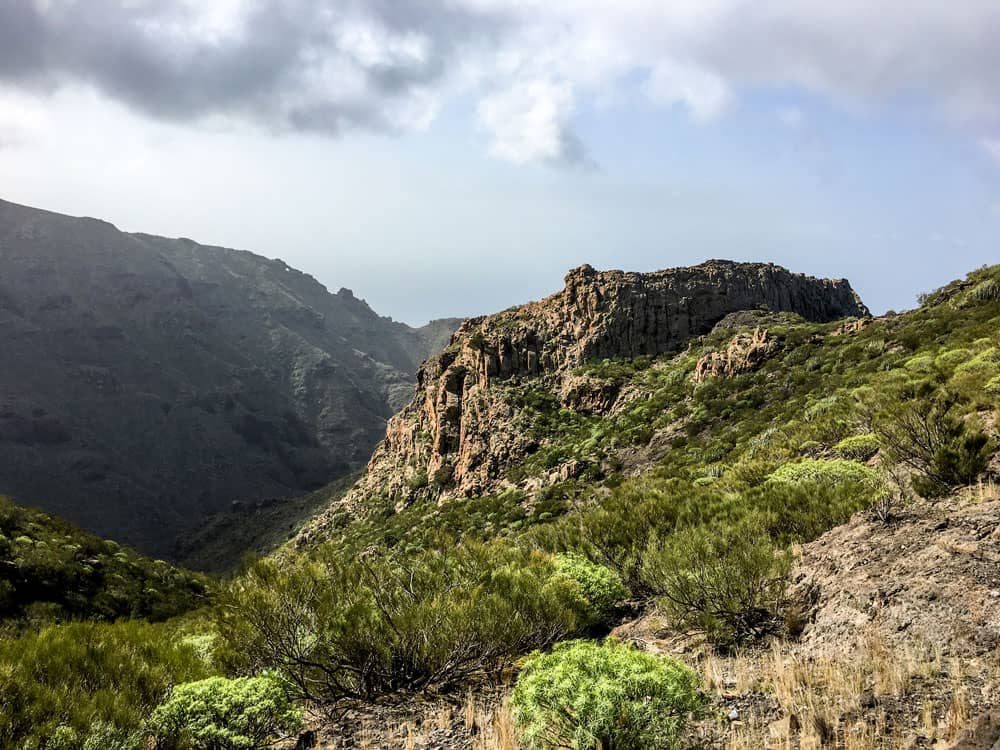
(919, 580)
(851, 327)
(745, 353)
(461, 433)
(148, 382)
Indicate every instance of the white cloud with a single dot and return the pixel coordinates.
(331, 66)
(704, 93)
(23, 118)
(531, 122)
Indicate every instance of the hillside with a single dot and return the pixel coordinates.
(51, 570)
(151, 382)
(701, 476)
(775, 527)
(483, 406)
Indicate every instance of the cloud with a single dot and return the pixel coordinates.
(22, 119)
(334, 65)
(531, 122)
(704, 93)
(322, 65)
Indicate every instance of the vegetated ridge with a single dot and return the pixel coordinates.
(464, 429)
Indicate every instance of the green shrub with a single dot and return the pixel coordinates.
(858, 447)
(343, 628)
(49, 567)
(833, 471)
(222, 714)
(95, 682)
(725, 581)
(929, 434)
(587, 696)
(601, 587)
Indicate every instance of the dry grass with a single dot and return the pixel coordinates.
(839, 700)
(496, 730)
(984, 491)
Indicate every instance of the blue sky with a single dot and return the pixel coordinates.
(459, 157)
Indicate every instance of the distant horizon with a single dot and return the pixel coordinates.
(334, 287)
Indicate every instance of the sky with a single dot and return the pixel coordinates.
(456, 157)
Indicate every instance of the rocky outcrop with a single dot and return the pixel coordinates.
(148, 382)
(460, 434)
(745, 353)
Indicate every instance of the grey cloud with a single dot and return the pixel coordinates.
(134, 53)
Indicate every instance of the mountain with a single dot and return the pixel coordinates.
(149, 382)
(782, 510)
(463, 431)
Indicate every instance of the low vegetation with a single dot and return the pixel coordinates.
(51, 571)
(698, 523)
(91, 685)
(587, 696)
(221, 714)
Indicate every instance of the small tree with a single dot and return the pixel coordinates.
(600, 587)
(590, 696)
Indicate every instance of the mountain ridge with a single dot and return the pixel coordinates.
(151, 381)
(458, 437)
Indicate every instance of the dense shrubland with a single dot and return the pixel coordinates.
(431, 598)
(90, 685)
(359, 628)
(50, 571)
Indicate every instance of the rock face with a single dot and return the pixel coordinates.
(457, 436)
(148, 382)
(745, 353)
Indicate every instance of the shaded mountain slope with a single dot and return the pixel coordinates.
(149, 382)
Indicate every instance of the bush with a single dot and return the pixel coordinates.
(343, 628)
(830, 472)
(929, 435)
(858, 447)
(601, 587)
(222, 714)
(50, 567)
(87, 684)
(725, 581)
(586, 696)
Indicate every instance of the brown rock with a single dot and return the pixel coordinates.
(745, 353)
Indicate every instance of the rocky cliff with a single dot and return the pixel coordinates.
(460, 434)
(148, 381)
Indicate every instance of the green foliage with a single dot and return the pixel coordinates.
(50, 570)
(858, 447)
(587, 696)
(725, 582)
(926, 431)
(834, 471)
(600, 587)
(90, 685)
(222, 714)
(359, 628)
